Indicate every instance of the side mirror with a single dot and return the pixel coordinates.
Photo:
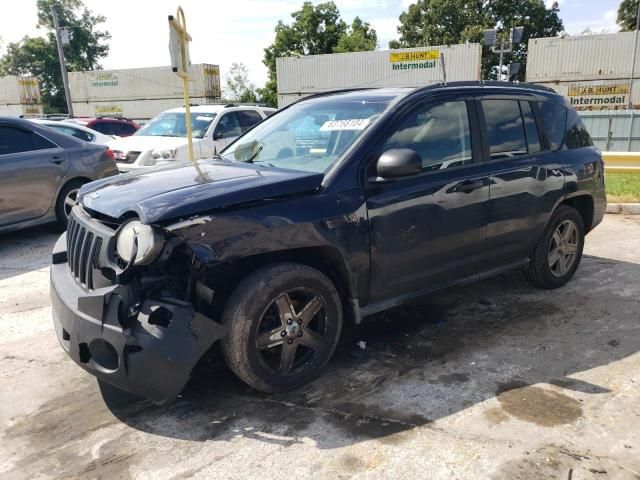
(217, 136)
(398, 162)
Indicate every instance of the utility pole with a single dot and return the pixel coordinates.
(63, 65)
(633, 68)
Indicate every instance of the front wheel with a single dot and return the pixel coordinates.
(559, 250)
(284, 324)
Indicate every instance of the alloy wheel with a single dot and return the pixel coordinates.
(292, 331)
(563, 248)
(70, 201)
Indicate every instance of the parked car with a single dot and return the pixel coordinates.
(269, 251)
(117, 126)
(76, 130)
(41, 172)
(164, 138)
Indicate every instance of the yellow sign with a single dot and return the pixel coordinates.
(212, 71)
(114, 110)
(414, 56)
(584, 90)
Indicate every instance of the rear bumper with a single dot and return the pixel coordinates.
(152, 355)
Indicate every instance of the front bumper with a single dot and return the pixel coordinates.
(152, 356)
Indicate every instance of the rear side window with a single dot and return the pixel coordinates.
(74, 132)
(505, 128)
(577, 135)
(249, 118)
(530, 128)
(554, 119)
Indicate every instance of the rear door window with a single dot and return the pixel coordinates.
(122, 129)
(505, 128)
(554, 119)
(530, 128)
(15, 140)
(103, 127)
(249, 118)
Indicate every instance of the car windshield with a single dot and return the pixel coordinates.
(310, 136)
(174, 124)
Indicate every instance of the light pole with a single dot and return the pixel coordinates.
(63, 65)
(515, 37)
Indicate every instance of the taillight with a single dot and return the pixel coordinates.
(109, 153)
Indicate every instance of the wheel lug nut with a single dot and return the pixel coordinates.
(289, 322)
(290, 341)
(300, 334)
(283, 333)
(299, 321)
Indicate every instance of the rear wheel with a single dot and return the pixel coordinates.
(67, 200)
(284, 324)
(559, 250)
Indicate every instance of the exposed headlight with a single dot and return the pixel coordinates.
(148, 239)
(167, 154)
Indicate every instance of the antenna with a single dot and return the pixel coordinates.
(444, 70)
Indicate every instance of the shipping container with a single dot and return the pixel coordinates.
(138, 85)
(20, 95)
(407, 67)
(599, 94)
(585, 57)
(132, 109)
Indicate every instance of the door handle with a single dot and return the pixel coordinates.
(57, 160)
(468, 186)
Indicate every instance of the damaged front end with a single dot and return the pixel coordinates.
(140, 327)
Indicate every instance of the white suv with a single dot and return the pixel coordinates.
(164, 138)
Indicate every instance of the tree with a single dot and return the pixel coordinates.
(445, 22)
(38, 56)
(628, 14)
(315, 30)
(238, 85)
(359, 38)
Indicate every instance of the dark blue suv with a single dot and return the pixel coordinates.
(272, 245)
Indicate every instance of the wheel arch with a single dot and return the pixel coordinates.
(224, 278)
(584, 204)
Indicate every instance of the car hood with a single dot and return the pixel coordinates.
(183, 190)
(141, 143)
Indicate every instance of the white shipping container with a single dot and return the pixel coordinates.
(132, 109)
(407, 67)
(584, 57)
(18, 110)
(143, 84)
(599, 94)
(20, 95)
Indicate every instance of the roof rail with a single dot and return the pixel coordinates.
(230, 105)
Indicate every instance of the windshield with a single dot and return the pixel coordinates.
(309, 136)
(174, 124)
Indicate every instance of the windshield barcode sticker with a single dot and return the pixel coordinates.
(347, 124)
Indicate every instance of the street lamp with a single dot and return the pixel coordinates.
(490, 39)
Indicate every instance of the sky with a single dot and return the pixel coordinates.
(238, 30)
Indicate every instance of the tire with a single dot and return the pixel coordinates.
(69, 191)
(550, 266)
(259, 343)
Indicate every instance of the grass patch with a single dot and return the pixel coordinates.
(622, 187)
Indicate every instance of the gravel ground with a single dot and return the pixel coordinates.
(494, 380)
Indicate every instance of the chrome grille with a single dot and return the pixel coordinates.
(83, 252)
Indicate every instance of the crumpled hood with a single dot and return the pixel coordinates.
(141, 143)
(184, 190)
